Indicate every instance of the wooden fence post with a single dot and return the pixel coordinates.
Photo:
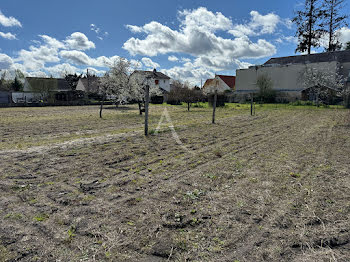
(251, 104)
(214, 105)
(146, 109)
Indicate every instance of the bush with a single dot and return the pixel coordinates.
(266, 93)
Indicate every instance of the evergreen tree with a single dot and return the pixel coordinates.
(347, 46)
(332, 20)
(17, 85)
(307, 21)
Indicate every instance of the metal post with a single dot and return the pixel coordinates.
(146, 109)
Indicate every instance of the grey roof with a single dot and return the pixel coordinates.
(154, 74)
(58, 84)
(339, 56)
(92, 84)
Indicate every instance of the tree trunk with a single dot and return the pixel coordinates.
(188, 106)
(214, 105)
(140, 108)
(309, 42)
(101, 107)
(146, 109)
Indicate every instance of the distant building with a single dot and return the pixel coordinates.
(157, 79)
(221, 83)
(90, 84)
(38, 89)
(285, 73)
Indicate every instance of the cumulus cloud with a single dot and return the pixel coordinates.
(80, 58)
(197, 37)
(149, 63)
(204, 20)
(258, 25)
(9, 21)
(36, 57)
(79, 41)
(173, 58)
(8, 36)
(189, 72)
(342, 34)
(61, 70)
(5, 62)
(52, 42)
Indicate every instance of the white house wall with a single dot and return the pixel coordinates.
(221, 88)
(285, 78)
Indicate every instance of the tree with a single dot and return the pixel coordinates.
(332, 20)
(72, 80)
(139, 80)
(308, 31)
(17, 85)
(347, 46)
(266, 92)
(320, 82)
(114, 84)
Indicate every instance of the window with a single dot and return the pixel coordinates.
(156, 82)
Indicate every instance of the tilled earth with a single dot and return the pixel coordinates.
(272, 187)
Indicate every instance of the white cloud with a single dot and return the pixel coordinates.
(8, 36)
(79, 41)
(36, 57)
(9, 21)
(61, 70)
(134, 28)
(173, 58)
(287, 39)
(258, 25)
(94, 28)
(149, 63)
(204, 20)
(189, 72)
(52, 42)
(5, 62)
(344, 35)
(197, 38)
(80, 58)
(98, 31)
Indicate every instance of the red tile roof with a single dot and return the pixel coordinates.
(229, 80)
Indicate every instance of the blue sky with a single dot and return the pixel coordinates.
(188, 40)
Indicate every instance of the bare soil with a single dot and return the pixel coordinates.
(272, 187)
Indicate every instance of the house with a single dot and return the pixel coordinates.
(221, 83)
(39, 89)
(286, 73)
(156, 79)
(91, 84)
